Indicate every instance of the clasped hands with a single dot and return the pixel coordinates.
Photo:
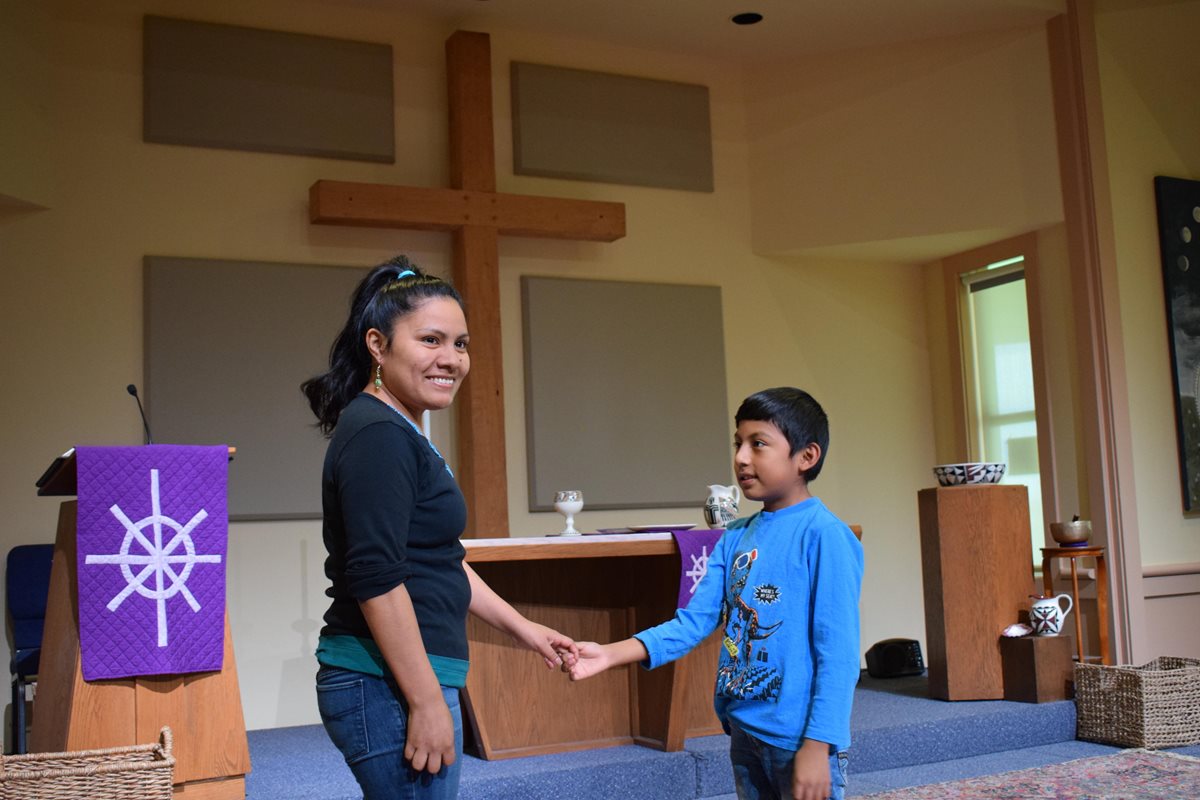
(581, 660)
(590, 659)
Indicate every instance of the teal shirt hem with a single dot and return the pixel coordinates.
(359, 654)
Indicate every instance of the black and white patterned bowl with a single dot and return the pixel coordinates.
(973, 473)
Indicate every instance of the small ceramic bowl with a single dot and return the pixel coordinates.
(1071, 534)
(972, 473)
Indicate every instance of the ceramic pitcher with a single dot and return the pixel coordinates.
(721, 506)
(1047, 614)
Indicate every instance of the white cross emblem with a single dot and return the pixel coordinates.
(699, 569)
(157, 559)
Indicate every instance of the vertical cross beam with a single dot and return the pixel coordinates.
(476, 214)
(476, 273)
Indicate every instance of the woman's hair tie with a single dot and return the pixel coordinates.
(406, 273)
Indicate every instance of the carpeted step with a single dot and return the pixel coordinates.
(300, 763)
(627, 772)
(895, 724)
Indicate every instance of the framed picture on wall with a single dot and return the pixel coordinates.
(1179, 240)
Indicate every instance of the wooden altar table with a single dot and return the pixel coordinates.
(600, 588)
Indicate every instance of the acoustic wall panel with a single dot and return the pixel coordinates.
(239, 88)
(227, 345)
(625, 393)
(572, 123)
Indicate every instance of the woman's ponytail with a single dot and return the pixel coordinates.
(388, 292)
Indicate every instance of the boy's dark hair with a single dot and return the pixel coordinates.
(796, 414)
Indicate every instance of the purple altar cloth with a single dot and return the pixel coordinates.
(694, 550)
(151, 531)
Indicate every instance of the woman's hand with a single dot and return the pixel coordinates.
(429, 739)
(810, 771)
(429, 743)
(556, 649)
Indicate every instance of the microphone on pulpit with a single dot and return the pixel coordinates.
(145, 425)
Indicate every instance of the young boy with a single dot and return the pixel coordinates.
(784, 585)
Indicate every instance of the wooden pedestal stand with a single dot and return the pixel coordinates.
(1037, 669)
(203, 709)
(977, 569)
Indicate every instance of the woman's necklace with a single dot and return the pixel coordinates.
(428, 441)
(383, 391)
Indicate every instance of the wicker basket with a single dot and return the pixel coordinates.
(140, 772)
(1155, 705)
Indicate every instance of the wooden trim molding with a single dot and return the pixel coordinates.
(1164, 570)
(1087, 209)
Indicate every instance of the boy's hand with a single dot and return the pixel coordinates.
(593, 659)
(810, 771)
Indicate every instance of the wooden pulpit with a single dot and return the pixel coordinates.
(203, 710)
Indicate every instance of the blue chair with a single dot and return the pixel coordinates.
(27, 577)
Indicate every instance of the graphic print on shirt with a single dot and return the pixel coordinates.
(745, 674)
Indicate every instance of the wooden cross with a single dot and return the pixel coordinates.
(476, 214)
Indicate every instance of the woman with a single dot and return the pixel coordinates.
(393, 650)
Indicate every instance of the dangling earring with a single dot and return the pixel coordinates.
(378, 377)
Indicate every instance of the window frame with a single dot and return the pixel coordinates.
(954, 267)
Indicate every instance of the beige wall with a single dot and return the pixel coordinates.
(72, 314)
(1150, 121)
(71, 308)
(1148, 62)
(24, 181)
(948, 141)
(852, 327)
(1151, 130)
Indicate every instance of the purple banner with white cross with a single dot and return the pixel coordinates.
(694, 549)
(151, 532)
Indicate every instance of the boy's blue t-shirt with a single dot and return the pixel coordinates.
(784, 587)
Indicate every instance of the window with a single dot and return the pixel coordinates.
(998, 367)
(1001, 411)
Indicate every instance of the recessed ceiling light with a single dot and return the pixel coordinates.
(746, 18)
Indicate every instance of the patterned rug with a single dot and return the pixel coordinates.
(1128, 775)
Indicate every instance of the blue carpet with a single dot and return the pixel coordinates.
(628, 772)
(974, 766)
(901, 738)
(300, 763)
(895, 724)
(297, 764)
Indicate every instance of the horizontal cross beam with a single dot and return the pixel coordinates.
(373, 205)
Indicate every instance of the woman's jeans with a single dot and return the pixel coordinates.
(367, 719)
(764, 772)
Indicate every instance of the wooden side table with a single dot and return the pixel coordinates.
(1074, 554)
